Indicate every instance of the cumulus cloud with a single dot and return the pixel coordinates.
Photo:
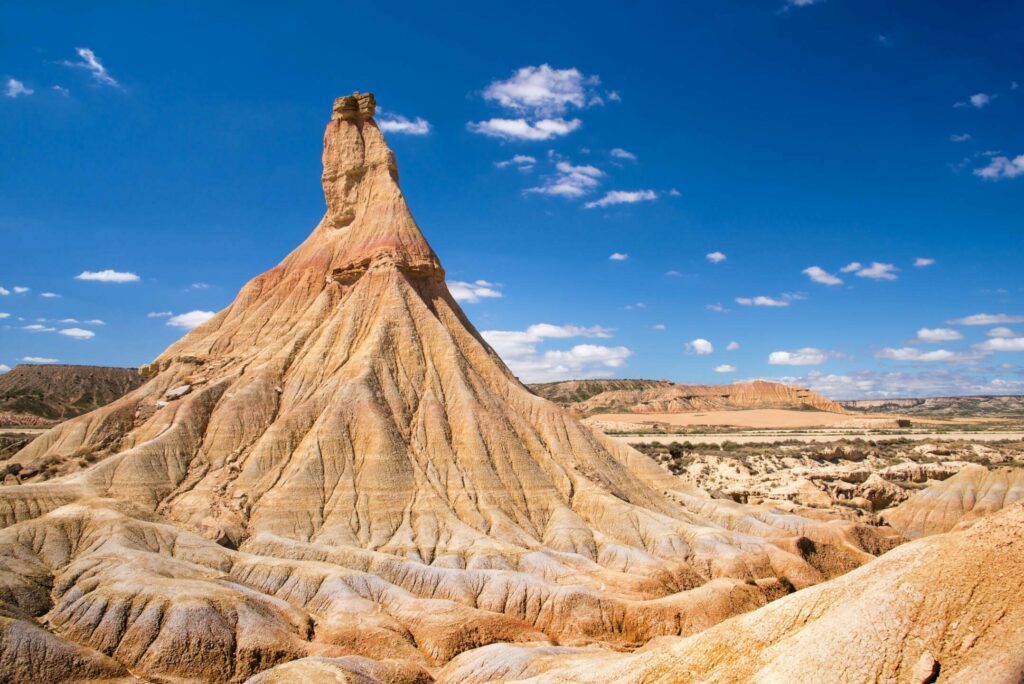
(190, 320)
(700, 346)
(4, 314)
(16, 88)
(1001, 168)
(49, 295)
(619, 153)
(18, 289)
(77, 333)
(396, 123)
(938, 335)
(623, 197)
(805, 356)
(725, 368)
(716, 308)
(851, 267)
(570, 180)
(715, 257)
(522, 162)
(4, 368)
(732, 346)
(518, 348)
(38, 359)
(521, 129)
(921, 262)
(1002, 344)
(761, 300)
(877, 271)
(473, 292)
(914, 354)
(37, 328)
(618, 256)
(158, 314)
(1001, 332)
(933, 382)
(91, 63)
(987, 319)
(108, 276)
(820, 275)
(542, 91)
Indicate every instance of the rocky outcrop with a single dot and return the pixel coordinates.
(945, 608)
(37, 395)
(353, 471)
(587, 397)
(960, 501)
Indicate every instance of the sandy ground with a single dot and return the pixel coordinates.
(753, 418)
(822, 436)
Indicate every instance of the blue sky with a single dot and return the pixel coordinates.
(180, 150)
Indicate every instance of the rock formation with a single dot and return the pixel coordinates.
(946, 608)
(959, 501)
(36, 395)
(337, 468)
(587, 397)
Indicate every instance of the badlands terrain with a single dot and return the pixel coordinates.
(337, 479)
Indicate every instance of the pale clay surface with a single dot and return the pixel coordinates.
(354, 479)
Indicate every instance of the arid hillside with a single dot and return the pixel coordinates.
(999, 406)
(35, 395)
(337, 479)
(587, 397)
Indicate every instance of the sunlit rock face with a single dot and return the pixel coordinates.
(338, 468)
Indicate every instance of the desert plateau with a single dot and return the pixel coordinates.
(259, 431)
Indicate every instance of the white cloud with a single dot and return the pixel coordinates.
(979, 100)
(938, 335)
(18, 289)
(618, 256)
(914, 354)
(541, 91)
(396, 123)
(522, 162)
(61, 90)
(37, 327)
(961, 137)
(16, 88)
(4, 292)
(800, 3)
(620, 153)
(91, 63)
(700, 346)
(190, 320)
(851, 267)
(732, 346)
(93, 321)
(521, 129)
(473, 292)
(4, 368)
(867, 384)
(198, 286)
(108, 276)
(878, 271)
(921, 262)
(761, 300)
(158, 314)
(623, 197)
(1002, 344)
(658, 326)
(716, 307)
(725, 368)
(49, 295)
(805, 356)
(1002, 167)
(4, 315)
(570, 181)
(820, 275)
(77, 333)
(1000, 332)
(674, 274)
(674, 193)
(986, 319)
(38, 359)
(715, 257)
(518, 348)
